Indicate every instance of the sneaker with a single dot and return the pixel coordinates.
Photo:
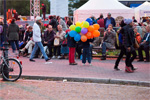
(59, 57)
(28, 56)
(83, 64)
(128, 69)
(117, 69)
(31, 60)
(47, 60)
(140, 60)
(54, 57)
(90, 64)
(22, 50)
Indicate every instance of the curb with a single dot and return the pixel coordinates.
(90, 80)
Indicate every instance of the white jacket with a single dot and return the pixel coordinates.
(36, 33)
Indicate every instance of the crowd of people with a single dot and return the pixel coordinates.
(53, 37)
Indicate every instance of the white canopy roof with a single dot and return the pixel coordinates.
(142, 11)
(96, 7)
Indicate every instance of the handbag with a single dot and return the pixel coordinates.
(136, 45)
(56, 42)
(64, 43)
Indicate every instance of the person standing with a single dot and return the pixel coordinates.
(13, 35)
(72, 47)
(59, 37)
(49, 39)
(37, 39)
(109, 20)
(43, 10)
(1, 33)
(53, 22)
(86, 51)
(128, 43)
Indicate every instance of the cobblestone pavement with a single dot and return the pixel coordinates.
(51, 90)
(99, 69)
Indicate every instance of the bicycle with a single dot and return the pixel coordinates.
(11, 66)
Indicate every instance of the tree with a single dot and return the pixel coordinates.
(75, 4)
(23, 6)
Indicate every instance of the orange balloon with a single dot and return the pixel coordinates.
(96, 26)
(83, 38)
(96, 33)
(89, 35)
(91, 28)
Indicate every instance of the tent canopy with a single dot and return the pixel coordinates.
(142, 11)
(96, 7)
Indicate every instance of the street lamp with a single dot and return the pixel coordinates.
(5, 42)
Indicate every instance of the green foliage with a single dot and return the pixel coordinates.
(74, 4)
(23, 6)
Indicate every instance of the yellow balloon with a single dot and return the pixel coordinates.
(72, 27)
(86, 24)
(82, 23)
(78, 24)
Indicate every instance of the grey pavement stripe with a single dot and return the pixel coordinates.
(90, 80)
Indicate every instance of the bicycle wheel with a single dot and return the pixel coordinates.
(13, 70)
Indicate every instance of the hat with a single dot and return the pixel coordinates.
(38, 18)
(127, 21)
(109, 14)
(29, 27)
(145, 24)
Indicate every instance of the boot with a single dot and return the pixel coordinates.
(103, 57)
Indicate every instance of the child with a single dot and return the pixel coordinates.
(72, 46)
(87, 51)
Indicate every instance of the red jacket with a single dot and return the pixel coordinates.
(101, 22)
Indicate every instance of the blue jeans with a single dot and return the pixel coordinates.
(40, 45)
(14, 45)
(1, 40)
(86, 54)
(103, 48)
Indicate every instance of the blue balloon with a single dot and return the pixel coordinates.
(90, 21)
(77, 37)
(73, 33)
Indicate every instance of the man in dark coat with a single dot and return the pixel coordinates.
(109, 20)
(128, 43)
(49, 39)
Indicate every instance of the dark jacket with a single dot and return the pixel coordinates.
(112, 21)
(87, 43)
(148, 40)
(49, 37)
(44, 9)
(71, 42)
(28, 36)
(13, 32)
(128, 36)
(54, 23)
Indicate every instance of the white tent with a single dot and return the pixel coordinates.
(142, 11)
(96, 7)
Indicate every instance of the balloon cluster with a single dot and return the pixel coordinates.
(84, 30)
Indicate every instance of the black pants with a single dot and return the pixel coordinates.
(146, 49)
(122, 52)
(130, 59)
(78, 50)
(57, 49)
(50, 44)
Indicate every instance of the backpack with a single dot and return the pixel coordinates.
(1, 29)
